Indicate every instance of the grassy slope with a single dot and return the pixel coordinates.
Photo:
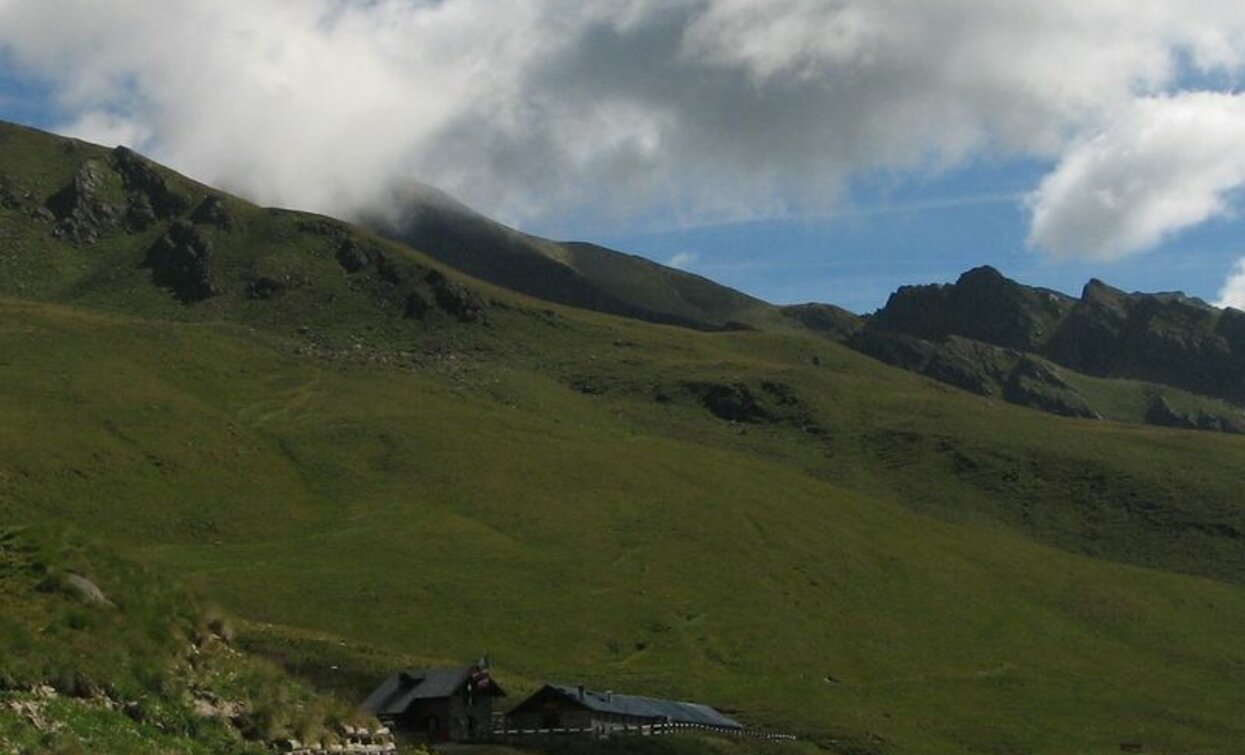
(499, 511)
(438, 490)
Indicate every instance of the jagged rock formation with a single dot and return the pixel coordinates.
(122, 191)
(151, 198)
(982, 305)
(985, 333)
(79, 208)
(1164, 338)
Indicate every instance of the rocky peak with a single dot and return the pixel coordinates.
(982, 304)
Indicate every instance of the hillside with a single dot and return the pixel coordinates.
(368, 457)
(578, 274)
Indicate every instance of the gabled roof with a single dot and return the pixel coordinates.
(402, 688)
(645, 707)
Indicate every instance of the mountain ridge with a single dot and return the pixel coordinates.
(1164, 339)
(578, 274)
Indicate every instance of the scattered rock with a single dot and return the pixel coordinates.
(264, 288)
(181, 261)
(88, 590)
(586, 387)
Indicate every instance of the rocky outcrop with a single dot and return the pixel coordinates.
(454, 299)
(151, 198)
(982, 305)
(181, 261)
(104, 195)
(1036, 384)
(79, 208)
(1160, 412)
(1167, 338)
(212, 211)
(971, 365)
(420, 290)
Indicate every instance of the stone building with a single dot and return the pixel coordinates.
(437, 704)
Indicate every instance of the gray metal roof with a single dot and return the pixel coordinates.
(400, 689)
(647, 707)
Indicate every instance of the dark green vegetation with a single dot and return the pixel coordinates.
(1169, 360)
(373, 460)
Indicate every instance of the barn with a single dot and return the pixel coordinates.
(437, 704)
(559, 706)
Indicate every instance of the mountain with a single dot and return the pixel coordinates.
(1164, 359)
(371, 460)
(1171, 360)
(578, 274)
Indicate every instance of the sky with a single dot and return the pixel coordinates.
(800, 150)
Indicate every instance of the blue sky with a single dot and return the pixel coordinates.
(799, 150)
(930, 232)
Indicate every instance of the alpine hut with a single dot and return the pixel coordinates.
(437, 704)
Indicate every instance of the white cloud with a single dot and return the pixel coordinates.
(1233, 292)
(683, 260)
(674, 110)
(1168, 163)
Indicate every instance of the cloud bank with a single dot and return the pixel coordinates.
(1166, 164)
(663, 111)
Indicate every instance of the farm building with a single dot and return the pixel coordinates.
(437, 704)
(558, 706)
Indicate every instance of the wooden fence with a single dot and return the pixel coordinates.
(637, 730)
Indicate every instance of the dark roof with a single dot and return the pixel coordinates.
(402, 688)
(646, 707)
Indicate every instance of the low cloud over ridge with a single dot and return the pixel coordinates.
(663, 111)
